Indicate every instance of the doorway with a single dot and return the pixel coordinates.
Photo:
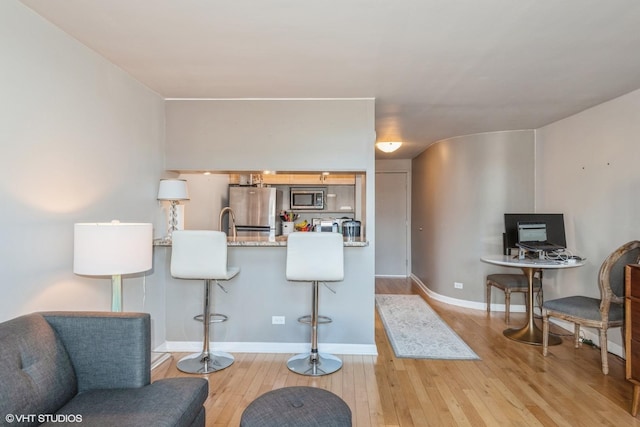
(391, 224)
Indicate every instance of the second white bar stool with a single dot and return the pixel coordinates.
(315, 257)
(202, 254)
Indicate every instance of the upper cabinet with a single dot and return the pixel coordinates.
(293, 179)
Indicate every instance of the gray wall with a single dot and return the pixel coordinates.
(208, 195)
(461, 189)
(283, 135)
(304, 135)
(81, 142)
(587, 168)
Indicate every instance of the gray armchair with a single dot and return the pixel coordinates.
(603, 313)
(94, 365)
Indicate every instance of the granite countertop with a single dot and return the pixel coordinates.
(260, 242)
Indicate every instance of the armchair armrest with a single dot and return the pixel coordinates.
(107, 350)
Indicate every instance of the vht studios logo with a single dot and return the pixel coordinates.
(43, 418)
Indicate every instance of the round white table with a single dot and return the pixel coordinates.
(529, 333)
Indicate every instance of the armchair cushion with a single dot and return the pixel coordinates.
(36, 375)
(584, 308)
(107, 350)
(168, 402)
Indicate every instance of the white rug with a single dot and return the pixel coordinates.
(417, 332)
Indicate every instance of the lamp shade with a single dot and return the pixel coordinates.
(112, 248)
(173, 189)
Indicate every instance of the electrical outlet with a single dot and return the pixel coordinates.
(277, 320)
(457, 285)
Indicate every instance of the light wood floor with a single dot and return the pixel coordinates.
(513, 384)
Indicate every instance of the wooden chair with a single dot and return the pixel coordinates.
(510, 283)
(606, 312)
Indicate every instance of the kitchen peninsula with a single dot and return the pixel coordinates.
(259, 292)
(259, 297)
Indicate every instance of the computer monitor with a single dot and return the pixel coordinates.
(554, 222)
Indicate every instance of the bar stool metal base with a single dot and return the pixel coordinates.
(322, 364)
(201, 363)
(206, 361)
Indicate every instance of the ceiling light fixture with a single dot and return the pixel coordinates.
(388, 147)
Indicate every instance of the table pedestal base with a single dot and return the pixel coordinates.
(530, 334)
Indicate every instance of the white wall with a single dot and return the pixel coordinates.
(587, 168)
(81, 141)
(461, 189)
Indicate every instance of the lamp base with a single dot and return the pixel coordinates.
(116, 293)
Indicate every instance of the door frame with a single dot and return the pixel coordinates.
(407, 173)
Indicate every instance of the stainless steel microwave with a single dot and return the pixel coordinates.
(307, 199)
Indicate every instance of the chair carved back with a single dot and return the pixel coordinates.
(611, 276)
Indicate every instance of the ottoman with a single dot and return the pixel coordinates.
(297, 406)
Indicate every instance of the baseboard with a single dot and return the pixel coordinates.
(612, 347)
(448, 300)
(268, 347)
(157, 358)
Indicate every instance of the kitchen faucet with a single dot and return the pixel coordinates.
(233, 221)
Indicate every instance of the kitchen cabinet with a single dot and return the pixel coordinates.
(267, 179)
(343, 199)
(331, 179)
(276, 179)
(299, 179)
(632, 331)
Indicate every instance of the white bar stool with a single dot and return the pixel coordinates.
(202, 254)
(314, 257)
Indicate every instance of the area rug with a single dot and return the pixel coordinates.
(417, 332)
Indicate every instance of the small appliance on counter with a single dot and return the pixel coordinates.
(323, 224)
(329, 224)
(351, 229)
(341, 221)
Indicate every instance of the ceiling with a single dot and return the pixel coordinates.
(436, 68)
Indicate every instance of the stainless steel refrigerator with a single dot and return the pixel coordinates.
(256, 210)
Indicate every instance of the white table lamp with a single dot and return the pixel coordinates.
(112, 249)
(173, 190)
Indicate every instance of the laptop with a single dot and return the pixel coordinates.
(532, 235)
